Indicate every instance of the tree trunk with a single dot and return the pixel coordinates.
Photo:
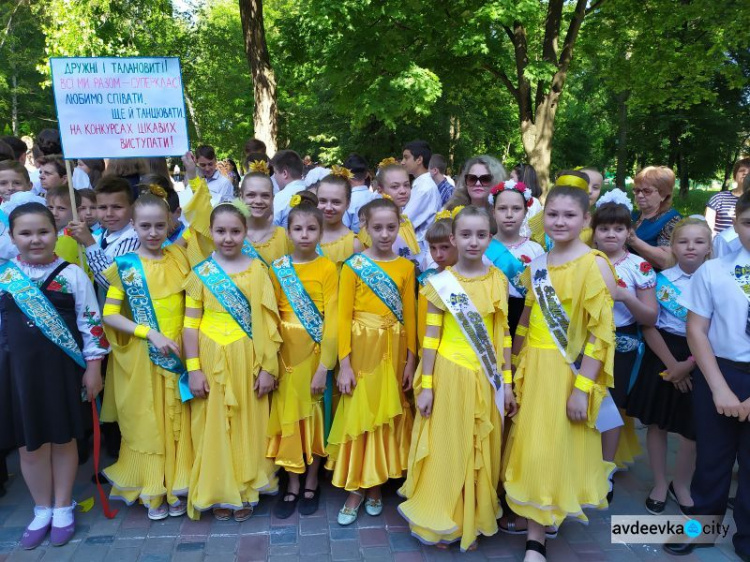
(265, 114)
(455, 136)
(14, 104)
(622, 139)
(191, 112)
(536, 136)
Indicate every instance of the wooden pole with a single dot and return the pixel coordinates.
(71, 191)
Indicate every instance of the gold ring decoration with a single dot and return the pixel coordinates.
(569, 180)
(259, 167)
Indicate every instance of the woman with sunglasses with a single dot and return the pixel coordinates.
(653, 225)
(473, 186)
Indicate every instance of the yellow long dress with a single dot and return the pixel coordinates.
(156, 453)
(554, 467)
(369, 439)
(339, 250)
(296, 425)
(198, 236)
(454, 460)
(229, 426)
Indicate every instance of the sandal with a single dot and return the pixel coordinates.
(243, 514)
(308, 506)
(348, 515)
(536, 546)
(284, 508)
(179, 509)
(222, 514)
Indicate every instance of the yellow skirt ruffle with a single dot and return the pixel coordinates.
(296, 426)
(629, 447)
(553, 468)
(454, 461)
(229, 432)
(369, 439)
(156, 452)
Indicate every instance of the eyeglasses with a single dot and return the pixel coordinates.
(645, 191)
(484, 180)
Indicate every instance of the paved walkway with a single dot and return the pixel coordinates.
(131, 536)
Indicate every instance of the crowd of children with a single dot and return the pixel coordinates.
(465, 357)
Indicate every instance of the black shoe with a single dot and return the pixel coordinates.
(743, 557)
(102, 479)
(611, 493)
(655, 507)
(683, 549)
(284, 508)
(536, 546)
(308, 506)
(686, 510)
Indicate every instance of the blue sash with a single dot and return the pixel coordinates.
(319, 250)
(667, 295)
(649, 229)
(249, 250)
(304, 307)
(4, 218)
(172, 238)
(425, 275)
(37, 308)
(226, 292)
(133, 279)
(378, 282)
(505, 261)
(627, 343)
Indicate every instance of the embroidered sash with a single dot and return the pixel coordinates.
(39, 310)
(249, 250)
(627, 343)
(472, 326)
(506, 262)
(742, 276)
(667, 294)
(130, 270)
(378, 282)
(226, 292)
(424, 276)
(304, 307)
(558, 322)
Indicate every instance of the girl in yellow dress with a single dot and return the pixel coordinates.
(461, 397)
(306, 287)
(264, 240)
(369, 439)
(146, 381)
(338, 243)
(553, 458)
(231, 345)
(394, 184)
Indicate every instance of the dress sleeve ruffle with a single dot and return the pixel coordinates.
(265, 315)
(406, 230)
(429, 292)
(329, 343)
(194, 287)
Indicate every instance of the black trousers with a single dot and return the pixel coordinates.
(720, 441)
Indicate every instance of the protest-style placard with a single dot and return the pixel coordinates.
(112, 107)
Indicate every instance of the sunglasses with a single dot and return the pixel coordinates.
(484, 180)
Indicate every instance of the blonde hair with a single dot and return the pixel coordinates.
(684, 223)
(660, 177)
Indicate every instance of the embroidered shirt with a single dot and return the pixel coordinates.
(633, 273)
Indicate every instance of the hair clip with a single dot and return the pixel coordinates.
(157, 190)
(386, 196)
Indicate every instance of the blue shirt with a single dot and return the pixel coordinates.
(361, 195)
(446, 190)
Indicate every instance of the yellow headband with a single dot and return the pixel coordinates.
(238, 204)
(259, 166)
(569, 180)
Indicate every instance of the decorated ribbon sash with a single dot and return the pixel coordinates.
(304, 307)
(39, 310)
(510, 265)
(667, 294)
(221, 286)
(133, 278)
(378, 282)
(458, 303)
(249, 250)
(424, 276)
(741, 274)
(627, 343)
(319, 249)
(558, 322)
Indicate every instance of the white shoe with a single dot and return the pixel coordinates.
(158, 513)
(348, 515)
(373, 507)
(179, 509)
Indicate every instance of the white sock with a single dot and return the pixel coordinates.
(42, 515)
(63, 516)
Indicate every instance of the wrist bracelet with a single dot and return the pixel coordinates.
(584, 384)
(522, 331)
(430, 343)
(507, 342)
(434, 319)
(507, 376)
(193, 364)
(427, 382)
(141, 331)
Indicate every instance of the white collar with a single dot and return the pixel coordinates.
(111, 236)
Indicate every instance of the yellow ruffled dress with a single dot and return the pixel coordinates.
(198, 237)
(369, 439)
(454, 460)
(405, 232)
(553, 468)
(628, 448)
(297, 424)
(156, 453)
(229, 426)
(339, 250)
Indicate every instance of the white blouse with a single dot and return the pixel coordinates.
(633, 273)
(666, 320)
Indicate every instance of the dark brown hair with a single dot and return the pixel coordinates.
(308, 206)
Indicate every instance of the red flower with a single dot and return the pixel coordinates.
(97, 331)
(520, 186)
(525, 259)
(103, 342)
(645, 267)
(621, 283)
(54, 286)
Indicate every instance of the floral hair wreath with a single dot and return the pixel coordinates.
(517, 186)
(390, 161)
(259, 167)
(342, 172)
(616, 196)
